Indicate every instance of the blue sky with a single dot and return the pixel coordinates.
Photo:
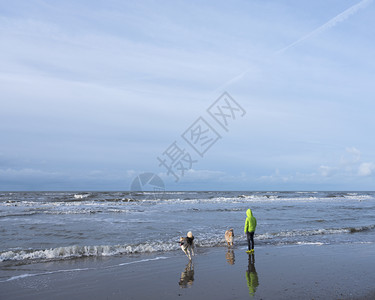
(92, 92)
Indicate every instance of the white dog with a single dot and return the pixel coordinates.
(187, 244)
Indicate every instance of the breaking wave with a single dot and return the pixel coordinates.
(81, 196)
(215, 240)
(295, 233)
(76, 251)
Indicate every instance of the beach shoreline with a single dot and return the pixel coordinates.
(342, 271)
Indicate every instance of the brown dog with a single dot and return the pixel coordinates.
(229, 236)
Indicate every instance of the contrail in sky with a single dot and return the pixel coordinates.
(331, 23)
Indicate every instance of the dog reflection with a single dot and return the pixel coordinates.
(187, 277)
(230, 257)
(252, 276)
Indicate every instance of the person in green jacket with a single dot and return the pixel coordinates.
(250, 225)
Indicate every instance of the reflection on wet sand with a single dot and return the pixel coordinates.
(230, 257)
(187, 276)
(252, 276)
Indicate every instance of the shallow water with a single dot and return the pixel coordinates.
(39, 226)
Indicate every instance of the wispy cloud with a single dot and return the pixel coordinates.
(27, 173)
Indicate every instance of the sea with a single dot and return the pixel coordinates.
(52, 226)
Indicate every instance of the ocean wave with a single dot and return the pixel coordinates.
(52, 212)
(73, 212)
(83, 199)
(25, 214)
(59, 253)
(306, 192)
(212, 240)
(70, 252)
(351, 196)
(214, 210)
(76, 251)
(202, 240)
(360, 229)
(119, 200)
(322, 231)
(69, 210)
(81, 196)
(310, 243)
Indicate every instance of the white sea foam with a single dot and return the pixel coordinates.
(211, 240)
(354, 196)
(139, 261)
(306, 192)
(81, 196)
(310, 243)
(322, 231)
(22, 276)
(118, 210)
(85, 251)
(69, 252)
(57, 253)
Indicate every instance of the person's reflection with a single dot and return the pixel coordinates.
(230, 257)
(252, 276)
(187, 277)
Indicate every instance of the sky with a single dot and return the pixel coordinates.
(96, 93)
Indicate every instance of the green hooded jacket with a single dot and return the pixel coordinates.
(251, 222)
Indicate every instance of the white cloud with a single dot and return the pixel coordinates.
(327, 171)
(353, 155)
(347, 167)
(366, 169)
(193, 174)
(26, 173)
(276, 176)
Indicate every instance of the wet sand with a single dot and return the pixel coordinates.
(290, 272)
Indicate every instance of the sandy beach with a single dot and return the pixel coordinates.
(289, 272)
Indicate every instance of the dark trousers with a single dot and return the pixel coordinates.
(250, 240)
